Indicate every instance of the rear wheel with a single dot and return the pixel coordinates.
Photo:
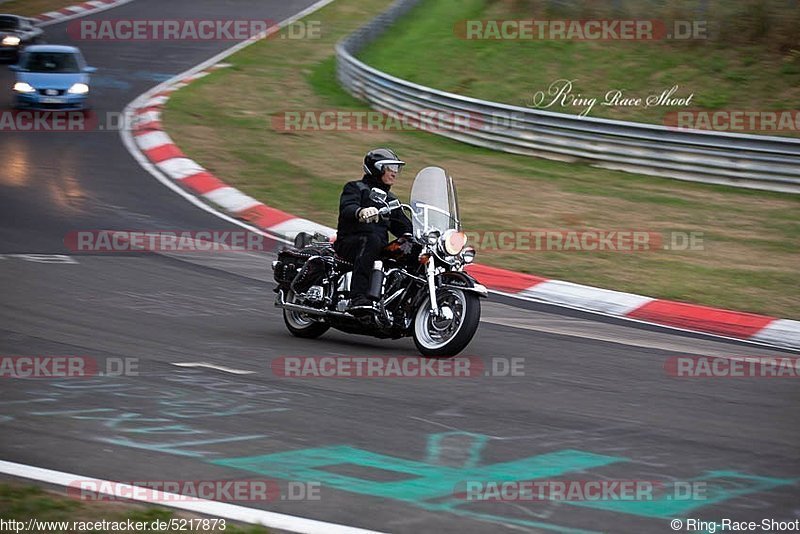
(451, 331)
(300, 324)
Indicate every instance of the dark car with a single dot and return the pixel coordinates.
(15, 33)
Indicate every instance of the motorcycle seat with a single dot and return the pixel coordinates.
(326, 250)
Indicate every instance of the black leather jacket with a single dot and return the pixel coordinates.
(355, 196)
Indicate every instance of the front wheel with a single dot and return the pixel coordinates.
(451, 331)
(300, 324)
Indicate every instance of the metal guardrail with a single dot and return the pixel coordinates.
(752, 161)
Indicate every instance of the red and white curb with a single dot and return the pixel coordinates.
(78, 10)
(763, 329)
(179, 168)
(160, 151)
(156, 149)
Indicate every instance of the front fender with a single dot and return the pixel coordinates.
(462, 281)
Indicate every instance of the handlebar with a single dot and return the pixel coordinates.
(391, 207)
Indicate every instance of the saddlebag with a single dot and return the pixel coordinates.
(291, 261)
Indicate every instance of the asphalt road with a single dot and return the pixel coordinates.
(592, 400)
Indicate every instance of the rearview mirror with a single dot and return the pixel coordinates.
(377, 195)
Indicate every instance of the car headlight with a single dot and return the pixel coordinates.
(453, 242)
(11, 40)
(22, 87)
(78, 89)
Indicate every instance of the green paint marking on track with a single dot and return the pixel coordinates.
(719, 486)
(433, 486)
(429, 482)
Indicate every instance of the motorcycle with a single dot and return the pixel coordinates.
(418, 285)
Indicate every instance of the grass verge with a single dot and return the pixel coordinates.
(723, 72)
(751, 249)
(23, 502)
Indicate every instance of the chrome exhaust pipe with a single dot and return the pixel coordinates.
(280, 302)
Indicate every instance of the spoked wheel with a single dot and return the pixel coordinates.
(451, 331)
(300, 324)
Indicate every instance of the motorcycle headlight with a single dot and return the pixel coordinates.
(468, 255)
(23, 87)
(78, 89)
(453, 242)
(11, 40)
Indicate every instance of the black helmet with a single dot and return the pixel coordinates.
(377, 158)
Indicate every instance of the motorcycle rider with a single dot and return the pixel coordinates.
(361, 231)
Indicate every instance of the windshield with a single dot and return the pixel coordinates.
(8, 23)
(51, 62)
(434, 201)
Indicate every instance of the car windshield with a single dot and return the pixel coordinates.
(51, 62)
(8, 23)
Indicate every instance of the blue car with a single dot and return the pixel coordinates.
(51, 77)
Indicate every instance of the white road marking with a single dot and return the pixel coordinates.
(42, 258)
(200, 506)
(212, 366)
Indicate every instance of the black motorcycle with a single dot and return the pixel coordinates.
(419, 286)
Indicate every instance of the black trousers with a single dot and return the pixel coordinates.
(361, 250)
